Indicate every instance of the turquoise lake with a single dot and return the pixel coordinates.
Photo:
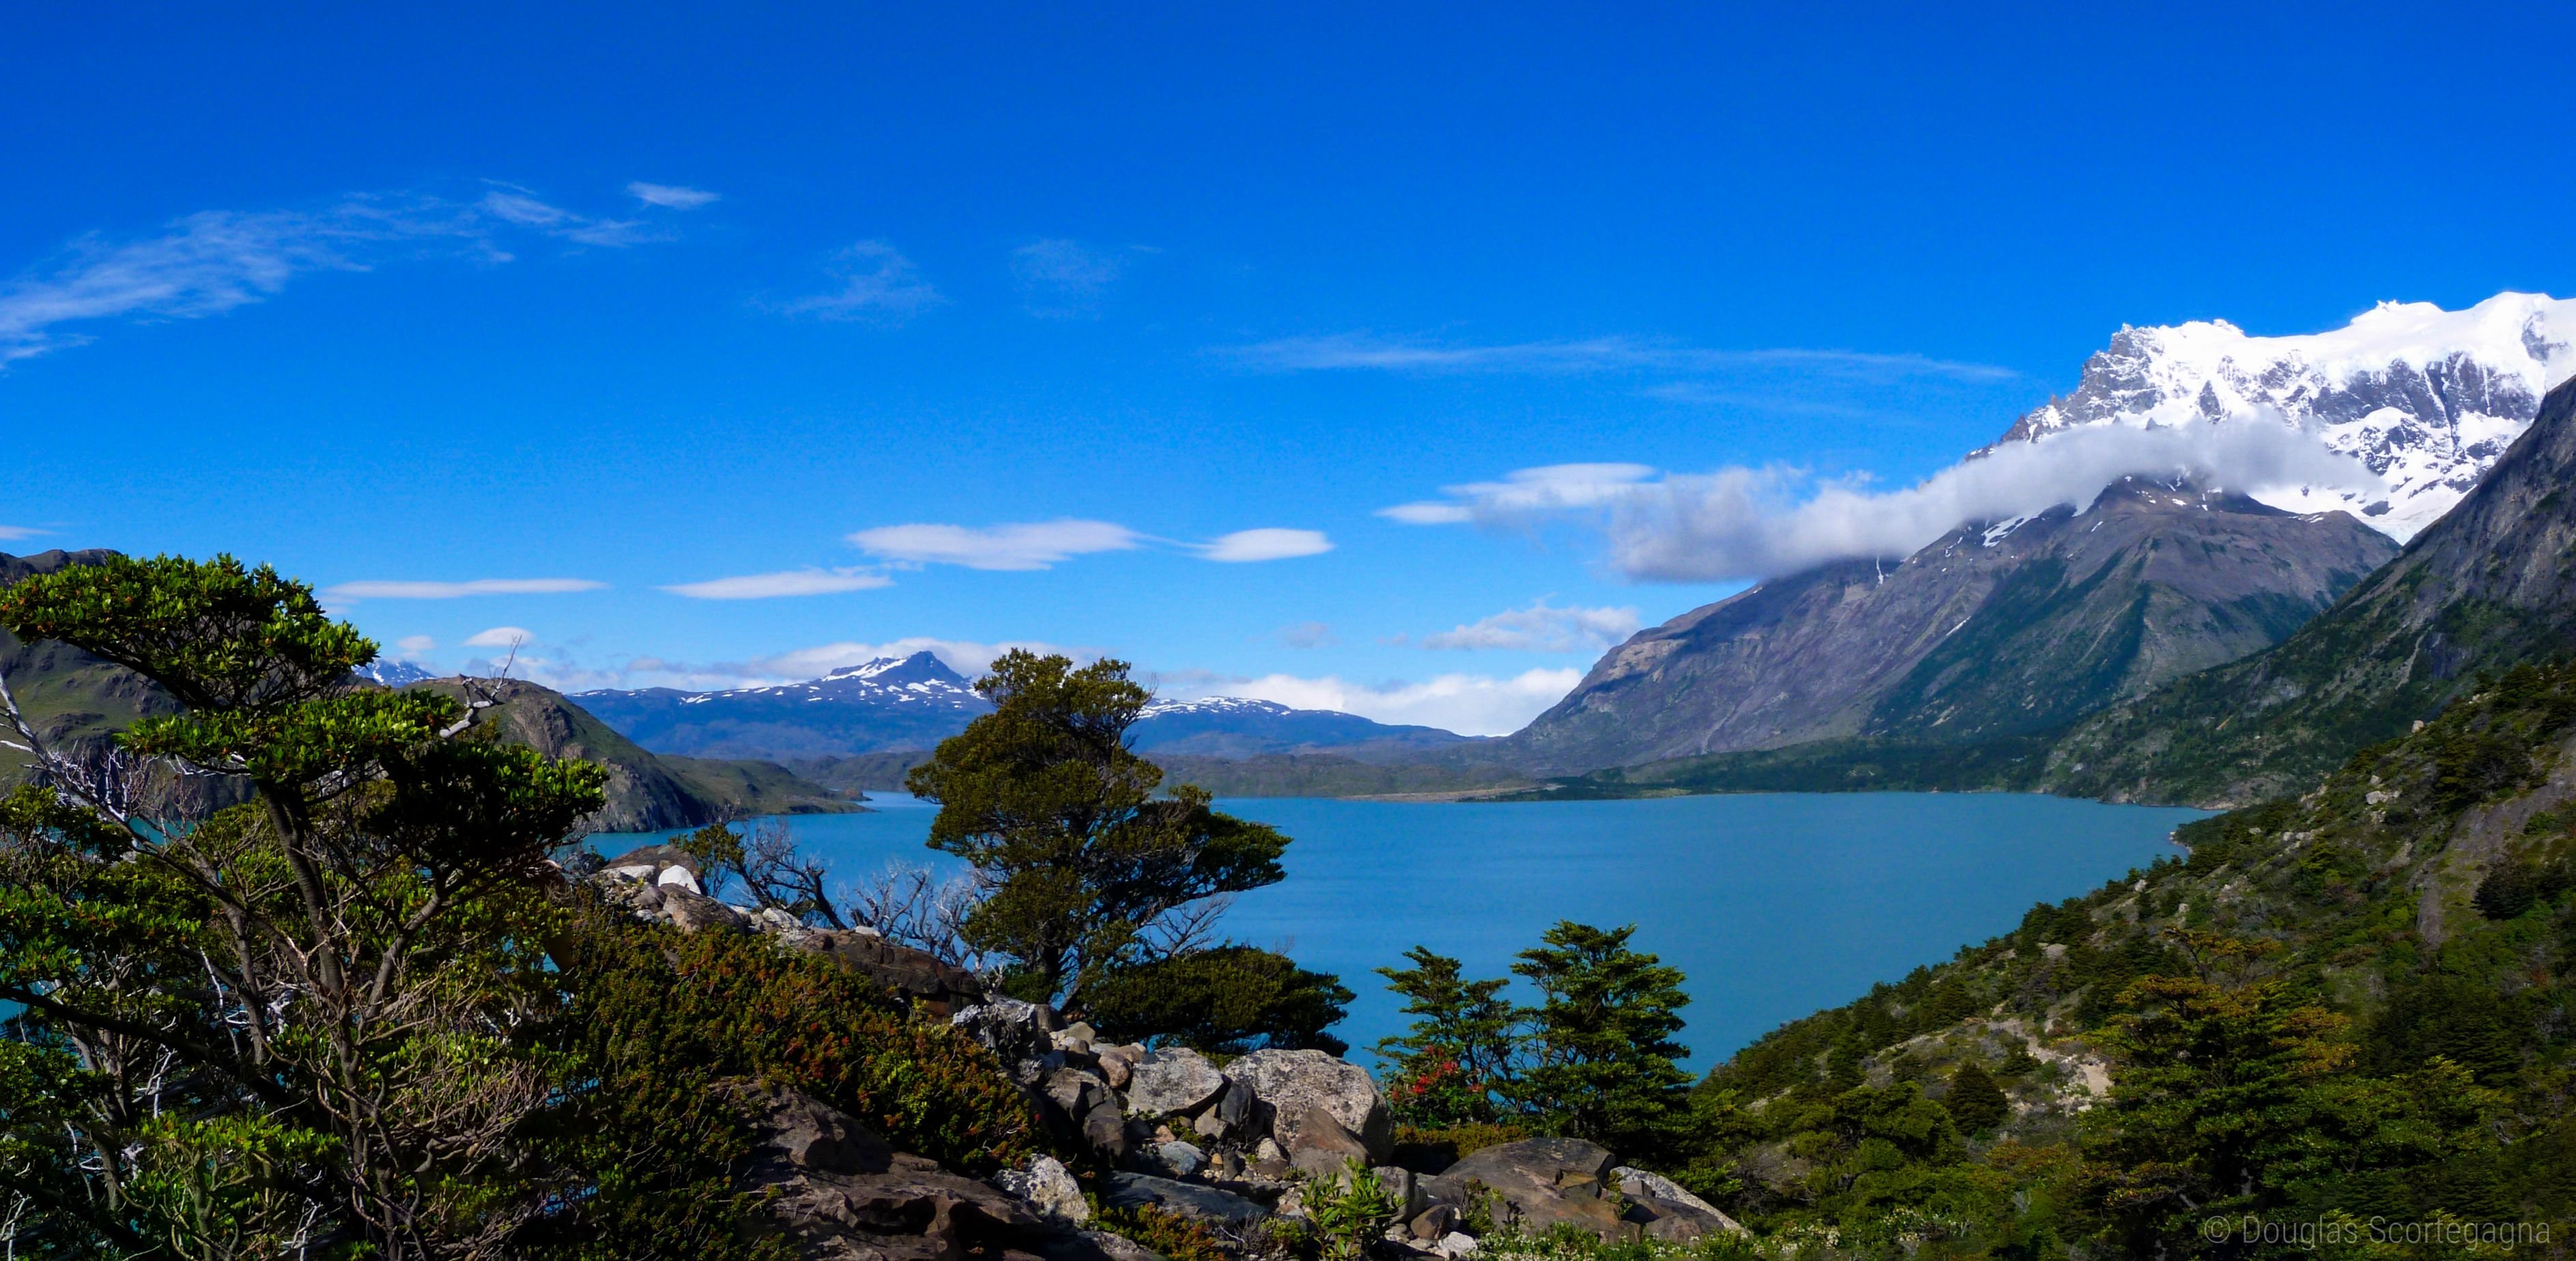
(1774, 905)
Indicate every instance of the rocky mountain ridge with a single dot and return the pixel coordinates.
(2489, 586)
(2427, 398)
(890, 705)
(1994, 629)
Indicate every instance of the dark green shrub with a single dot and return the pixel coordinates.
(1227, 1000)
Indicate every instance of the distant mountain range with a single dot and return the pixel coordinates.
(912, 703)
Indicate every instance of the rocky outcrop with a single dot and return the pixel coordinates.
(1543, 1183)
(1995, 630)
(1227, 1145)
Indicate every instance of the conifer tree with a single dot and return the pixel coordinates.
(1975, 1102)
(1605, 1056)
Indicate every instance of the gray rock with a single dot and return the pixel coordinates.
(1542, 1182)
(1182, 1159)
(1410, 1197)
(1432, 1223)
(1454, 1245)
(1189, 1199)
(1172, 1081)
(1114, 1069)
(1677, 1215)
(1288, 1086)
(1320, 1147)
(1014, 1031)
(1048, 1187)
(833, 1189)
(1075, 1091)
(1104, 1130)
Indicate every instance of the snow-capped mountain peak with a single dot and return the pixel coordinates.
(2426, 398)
(1213, 705)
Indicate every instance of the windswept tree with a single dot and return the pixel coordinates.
(285, 1029)
(1460, 1051)
(1085, 864)
(1605, 1059)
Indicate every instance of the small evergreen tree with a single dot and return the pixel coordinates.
(1461, 1049)
(1604, 1031)
(1086, 867)
(1227, 1000)
(1975, 1102)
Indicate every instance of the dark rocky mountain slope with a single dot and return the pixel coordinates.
(2490, 585)
(1993, 630)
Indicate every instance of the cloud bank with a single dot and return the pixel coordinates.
(1541, 627)
(1746, 523)
(1469, 704)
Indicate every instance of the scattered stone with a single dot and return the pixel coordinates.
(1048, 1187)
(1189, 1199)
(1454, 1245)
(691, 911)
(1104, 1130)
(1076, 1091)
(1014, 1031)
(1432, 1223)
(1174, 1080)
(1209, 1125)
(1114, 1070)
(1288, 1086)
(833, 1189)
(1182, 1159)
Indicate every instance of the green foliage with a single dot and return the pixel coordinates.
(682, 1011)
(1604, 1060)
(1460, 1052)
(1225, 1000)
(1350, 1211)
(1168, 1234)
(1087, 863)
(1975, 1103)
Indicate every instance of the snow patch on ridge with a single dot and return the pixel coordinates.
(2426, 398)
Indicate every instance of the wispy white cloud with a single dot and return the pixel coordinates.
(500, 637)
(1541, 627)
(789, 583)
(1063, 278)
(215, 261)
(1469, 704)
(1265, 544)
(15, 532)
(671, 196)
(1368, 352)
(1308, 635)
(414, 645)
(1740, 523)
(878, 284)
(1022, 545)
(374, 590)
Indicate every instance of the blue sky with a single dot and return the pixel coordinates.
(428, 305)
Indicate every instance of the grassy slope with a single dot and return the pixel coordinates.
(2370, 887)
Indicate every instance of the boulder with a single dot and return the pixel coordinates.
(1673, 1214)
(1104, 1130)
(690, 912)
(1075, 1091)
(833, 1189)
(1542, 1182)
(913, 974)
(1180, 1159)
(1189, 1199)
(1048, 1187)
(648, 863)
(1432, 1223)
(1287, 1086)
(1014, 1031)
(1172, 1081)
(1321, 1148)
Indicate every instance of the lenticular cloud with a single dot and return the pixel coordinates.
(1746, 523)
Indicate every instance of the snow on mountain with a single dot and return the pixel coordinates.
(392, 673)
(1220, 705)
(2427, 398)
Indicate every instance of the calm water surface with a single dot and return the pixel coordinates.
(1774, 905)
